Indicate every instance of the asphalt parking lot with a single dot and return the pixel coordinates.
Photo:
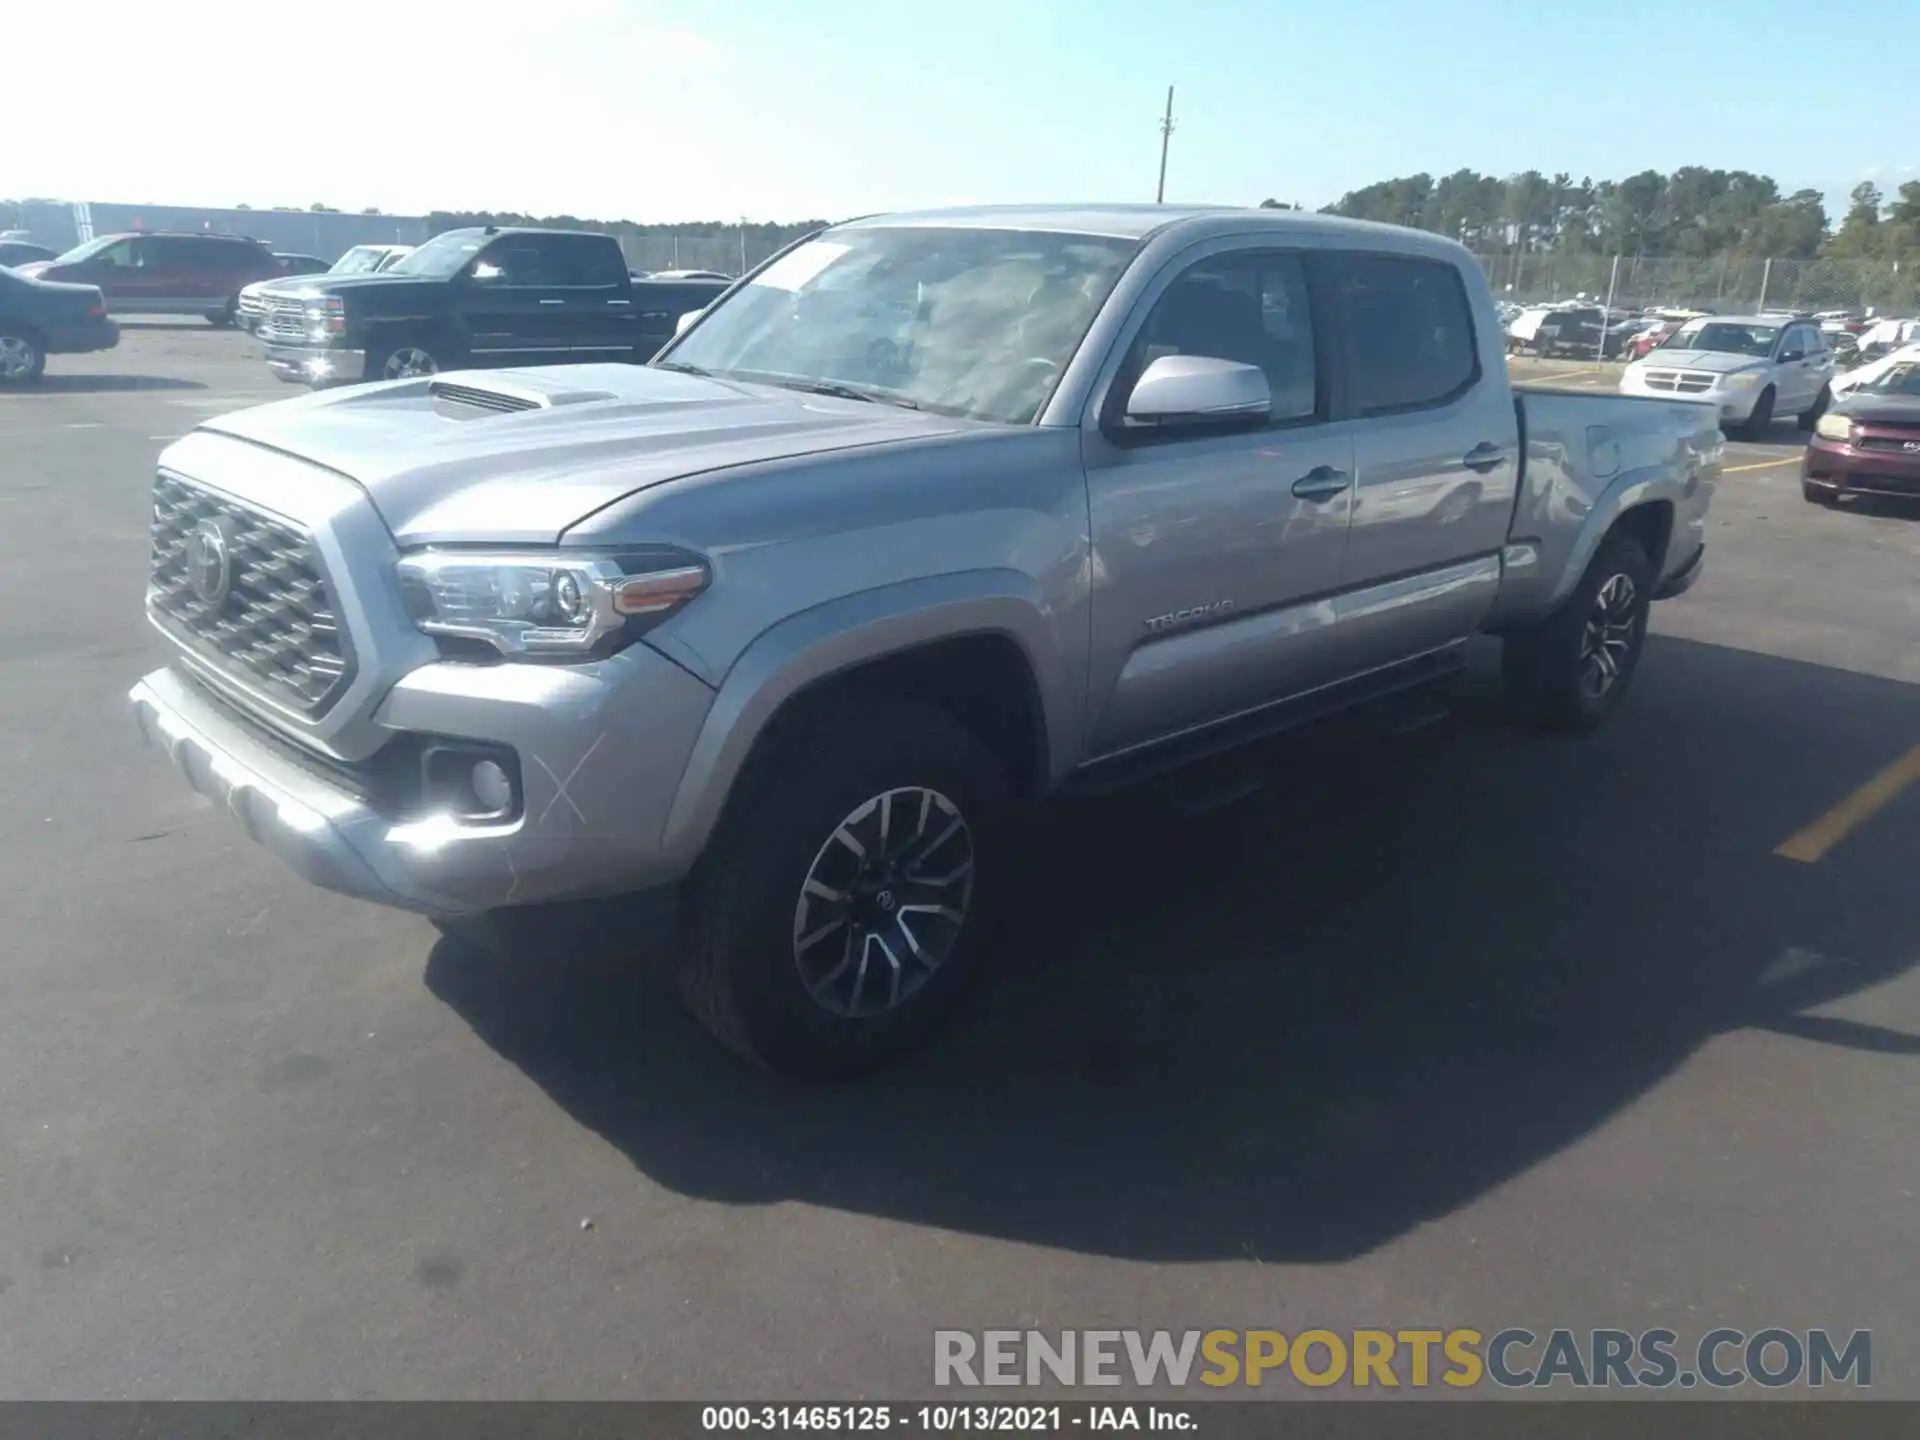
(1468, 1028)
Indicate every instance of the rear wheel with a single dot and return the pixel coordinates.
(833, 922)
(23, 359)
(1572, 670)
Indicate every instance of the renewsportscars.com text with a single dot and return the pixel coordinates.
(1513, 1358)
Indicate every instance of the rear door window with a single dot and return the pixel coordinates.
(1408, 333)
(582, 261)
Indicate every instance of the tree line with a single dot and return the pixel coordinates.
(1694, 213)
(762, 236)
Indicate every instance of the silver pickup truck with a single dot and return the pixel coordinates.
(929, 516)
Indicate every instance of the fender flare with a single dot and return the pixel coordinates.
(851, 631)
(1630, 490)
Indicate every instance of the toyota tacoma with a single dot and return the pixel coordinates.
(930, 516)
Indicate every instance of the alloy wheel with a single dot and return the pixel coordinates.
(884, 902)
(17, 357)
(1607, 639)
(408, 361)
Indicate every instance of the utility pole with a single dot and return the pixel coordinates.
(1166, 133)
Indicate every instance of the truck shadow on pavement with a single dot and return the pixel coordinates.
(1296, 1029)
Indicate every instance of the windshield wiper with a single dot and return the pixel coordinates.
(683, 368)
(840, 391)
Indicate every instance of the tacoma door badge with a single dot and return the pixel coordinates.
(1193, 615)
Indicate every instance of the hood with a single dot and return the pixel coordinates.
(1717, 361)
(327, 283)
(545, 448)
(1894, 409)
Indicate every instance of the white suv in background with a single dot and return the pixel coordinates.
(1753, 367)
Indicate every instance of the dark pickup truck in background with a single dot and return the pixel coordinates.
(476, 298)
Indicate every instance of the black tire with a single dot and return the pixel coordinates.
(384, 355)
(1818, 494)
(1548, 671)
(1757, 424)
(23, 356)
(1807, 419)
(742, 910)
(223, 318)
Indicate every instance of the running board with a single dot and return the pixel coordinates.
(1409, 696)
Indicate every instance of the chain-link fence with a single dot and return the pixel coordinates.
(727, 254)
(1726, 285)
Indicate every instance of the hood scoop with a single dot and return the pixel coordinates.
(465, 400)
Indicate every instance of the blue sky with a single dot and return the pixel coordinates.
(771, 109)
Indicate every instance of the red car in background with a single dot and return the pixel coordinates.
(156, 273)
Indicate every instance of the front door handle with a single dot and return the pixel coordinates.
(553, 302)
(1484, 457)
(1323, 482)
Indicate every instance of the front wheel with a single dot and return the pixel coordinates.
(1807, 419)
(1761, 420)
(404, 360)
(22, 360)
(1572, 670)
(224, 317)
(833, 921)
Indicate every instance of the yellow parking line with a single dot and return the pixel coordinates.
(1760, 465)
(1851, 813)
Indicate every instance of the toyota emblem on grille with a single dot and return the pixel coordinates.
(210, 561)
(1912, 447)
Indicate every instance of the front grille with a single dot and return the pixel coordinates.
(286, 320)
(276, 629)
(1899, 444)
(1680, 382)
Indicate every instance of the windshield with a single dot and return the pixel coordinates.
(441, 256)
(1726, 338)
(361, 260)
(978, 323)
(1900, 380)
(86, 249)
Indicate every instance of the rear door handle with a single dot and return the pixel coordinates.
(1484, 457)
(1323, 482)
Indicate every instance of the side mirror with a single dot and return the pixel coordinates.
(685, 322)
(1199, 389)
(1787, 357)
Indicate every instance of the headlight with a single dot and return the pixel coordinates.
(1833, 427)
(1743, 379)
(553, 606)
(326, 315)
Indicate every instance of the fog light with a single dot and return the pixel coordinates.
(491, 786)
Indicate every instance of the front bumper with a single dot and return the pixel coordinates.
(1735, 406)
(83, 337)
(316, 365)
(1842, 469)
(601, 750)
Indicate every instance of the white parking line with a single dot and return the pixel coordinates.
(86, 425)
